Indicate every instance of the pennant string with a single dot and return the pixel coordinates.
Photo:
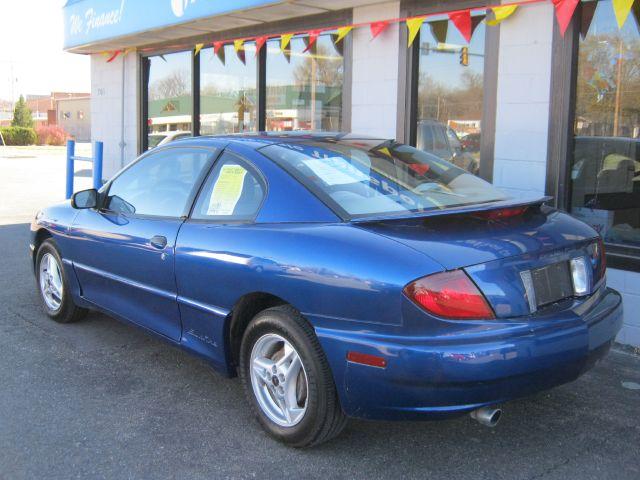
(462, 20)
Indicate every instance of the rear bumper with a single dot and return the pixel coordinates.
(428, 378)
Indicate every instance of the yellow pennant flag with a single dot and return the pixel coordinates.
(501, 13)
(413, 24)
(285, 38)
(386, 151)
(343, 32)
(622, 8)
(238, 45)
(198, 48)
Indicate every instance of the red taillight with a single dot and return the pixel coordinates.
(501, 213)
(449, 295)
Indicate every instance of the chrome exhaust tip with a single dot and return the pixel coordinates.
(487, 416)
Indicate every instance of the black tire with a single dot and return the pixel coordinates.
(324, 418)
(68, 311)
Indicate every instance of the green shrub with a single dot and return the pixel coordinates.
(18, 135)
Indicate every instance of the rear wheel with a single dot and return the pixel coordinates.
(287, 379)
(53, 286)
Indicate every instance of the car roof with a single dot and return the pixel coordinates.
(258, 140)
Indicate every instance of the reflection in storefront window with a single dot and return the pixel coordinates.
(228, 91)
(304, 90)
(605, 168)
(169, 98)
(450, 93)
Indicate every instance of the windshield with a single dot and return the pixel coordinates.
(359, 178)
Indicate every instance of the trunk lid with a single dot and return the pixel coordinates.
(494, 251)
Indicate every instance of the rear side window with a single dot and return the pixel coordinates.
(233, 191)
(159, 184)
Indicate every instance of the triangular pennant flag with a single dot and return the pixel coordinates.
(386, 151)
(342, 32)
(238, 46)
(413, 27)
(439, 30)
(462, 21)
(105, 54)
(162, 57)
(218, 51)
(501, 13)
(310, 40)
(564, 12)
(622, 8)
(378, 27)
(196, 50)
(260, 41)
(475, 21)
(129, 50)
(285, 39)
(588, 11)
(114, 55)
(339, 46)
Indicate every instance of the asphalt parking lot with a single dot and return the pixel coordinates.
(99, 399)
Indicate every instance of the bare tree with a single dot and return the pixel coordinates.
(175, 84)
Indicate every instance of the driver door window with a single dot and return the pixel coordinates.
(159, 184)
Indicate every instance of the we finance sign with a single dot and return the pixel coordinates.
(88, 22)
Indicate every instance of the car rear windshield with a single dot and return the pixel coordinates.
(361, 178)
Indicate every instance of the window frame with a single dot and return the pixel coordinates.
(562, 109)
(303, 24)
(409, 66)
(251, 167)
(214, 153)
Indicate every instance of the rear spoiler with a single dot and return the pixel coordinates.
(479, 207)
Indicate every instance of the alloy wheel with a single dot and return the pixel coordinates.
(279, 380)
(51, 284)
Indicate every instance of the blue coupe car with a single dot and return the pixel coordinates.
(338, 275)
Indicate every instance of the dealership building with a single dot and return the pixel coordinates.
(530, 109)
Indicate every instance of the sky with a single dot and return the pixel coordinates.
(31, 34)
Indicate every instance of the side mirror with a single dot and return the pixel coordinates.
(85, 199)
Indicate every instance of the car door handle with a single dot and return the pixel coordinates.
(158, 241)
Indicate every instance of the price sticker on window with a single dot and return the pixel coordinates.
(227, 190)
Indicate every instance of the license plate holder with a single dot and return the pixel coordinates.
(552, 283)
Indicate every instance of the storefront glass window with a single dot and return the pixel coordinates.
(450, 94)
(228, 91)
(169, 97)
(605, 166)
(304, 90)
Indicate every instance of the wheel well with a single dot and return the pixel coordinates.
(243, 312)
(41, 236)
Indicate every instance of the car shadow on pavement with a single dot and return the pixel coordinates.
(103, 399)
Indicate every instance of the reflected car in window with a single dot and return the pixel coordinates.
(338, 275)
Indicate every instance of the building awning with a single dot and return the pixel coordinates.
(92, 26)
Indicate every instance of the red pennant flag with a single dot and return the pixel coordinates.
(564, 12)
(462, 21)
(311, 40)
(114, 55)
(260, 41)
(218, 51)
(377, 28)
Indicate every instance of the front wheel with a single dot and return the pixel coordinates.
(53, 286)
(287, 379)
